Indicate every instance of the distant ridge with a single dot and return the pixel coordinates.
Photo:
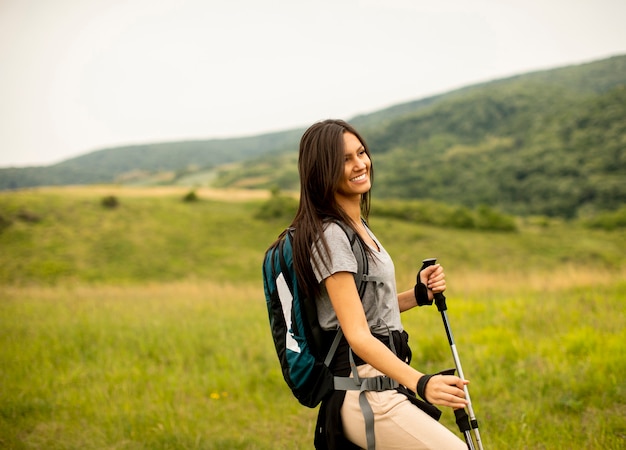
(547, 142)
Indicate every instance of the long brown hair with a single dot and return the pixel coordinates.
(321, 164)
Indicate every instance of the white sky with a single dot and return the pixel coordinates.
(81, 75)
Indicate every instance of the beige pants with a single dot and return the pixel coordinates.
(398, 424)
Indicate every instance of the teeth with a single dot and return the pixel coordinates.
(359, 178)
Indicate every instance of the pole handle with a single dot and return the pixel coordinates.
(440, 299)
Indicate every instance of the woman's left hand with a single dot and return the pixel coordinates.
(446, 390)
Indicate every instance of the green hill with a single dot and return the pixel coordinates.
(550, 143)
(71, 234)
(136, 163)
(525, 148)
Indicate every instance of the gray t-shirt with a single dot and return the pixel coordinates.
(380, 300)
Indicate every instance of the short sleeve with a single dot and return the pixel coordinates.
(342, 257)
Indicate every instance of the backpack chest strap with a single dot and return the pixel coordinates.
(377, 384)
(371, 278)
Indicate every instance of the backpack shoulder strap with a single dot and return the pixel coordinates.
(358, 248)
(284, 268)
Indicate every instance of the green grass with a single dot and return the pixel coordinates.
(155, 335)
(191, 365)
(138, 367)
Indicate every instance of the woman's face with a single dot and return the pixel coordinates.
(356, 174)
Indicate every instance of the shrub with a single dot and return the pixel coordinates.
(490, 219)
(460, 217)
(28, 216)
(609, 220)
(442, 215)
(110, 202)
(278, 207)
(191, 196)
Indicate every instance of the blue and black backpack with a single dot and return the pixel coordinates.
(296, 332)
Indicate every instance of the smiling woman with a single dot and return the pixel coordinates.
(336, 174)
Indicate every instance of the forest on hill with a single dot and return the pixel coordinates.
(545, 143)
(551, 143)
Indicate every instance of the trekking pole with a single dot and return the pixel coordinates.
(465, 426)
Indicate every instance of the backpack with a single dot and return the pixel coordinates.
(297, 334)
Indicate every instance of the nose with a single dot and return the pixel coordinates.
(360, 164)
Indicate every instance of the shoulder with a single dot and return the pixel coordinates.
(335, 240)
(335, 232)
(336, 255)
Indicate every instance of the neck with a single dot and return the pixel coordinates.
(352, 207)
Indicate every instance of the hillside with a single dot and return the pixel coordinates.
(528, 148)
(136, 163)
(69, 234)
(550, 143)
(144, 326)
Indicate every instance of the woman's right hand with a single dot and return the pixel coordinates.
(446, 390)
(434, 278)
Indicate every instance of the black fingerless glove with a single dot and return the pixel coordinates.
(421, 292)
(424, 379)
(421, 386)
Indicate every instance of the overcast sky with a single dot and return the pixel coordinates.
(81, 75)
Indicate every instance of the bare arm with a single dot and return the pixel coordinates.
(406, 300)
(442, 390)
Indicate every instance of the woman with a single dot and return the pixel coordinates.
(335, 180)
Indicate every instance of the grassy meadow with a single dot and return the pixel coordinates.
(144, 326)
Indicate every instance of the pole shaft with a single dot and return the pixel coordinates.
(459, 368)
(440, 301)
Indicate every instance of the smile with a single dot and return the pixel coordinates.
(359, 178)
